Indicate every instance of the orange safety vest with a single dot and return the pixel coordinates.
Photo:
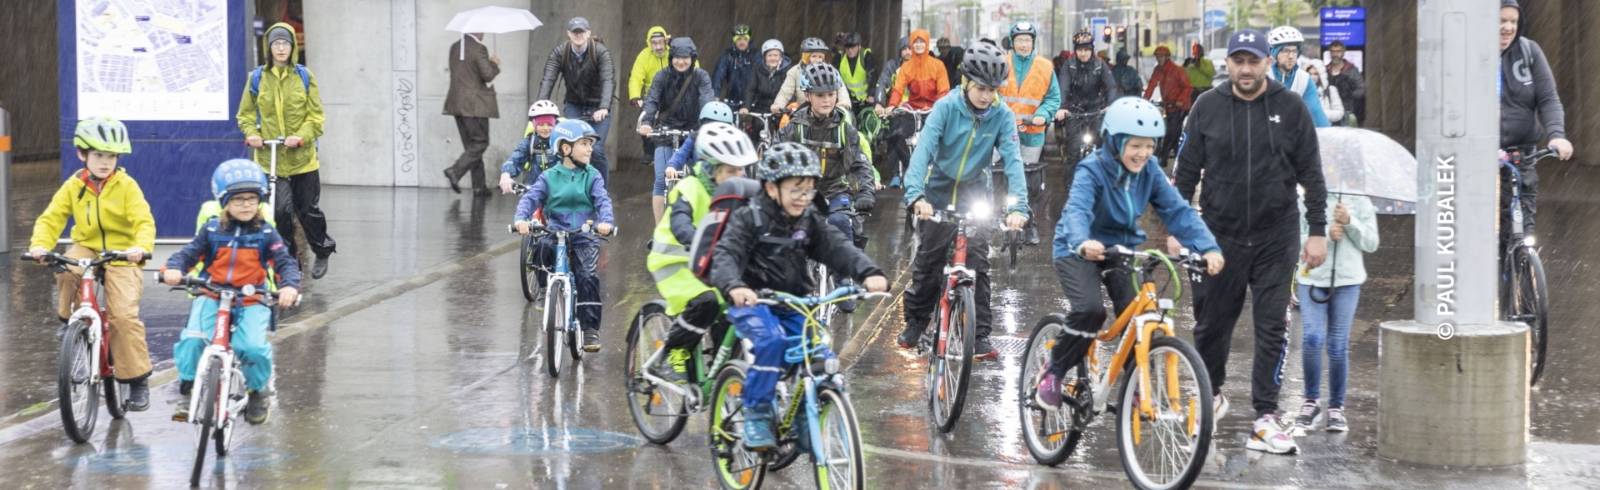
(1024, 101)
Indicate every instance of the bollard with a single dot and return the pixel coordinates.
(5, 180)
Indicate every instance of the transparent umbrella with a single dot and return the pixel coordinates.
(1361, 162)
(491, 20)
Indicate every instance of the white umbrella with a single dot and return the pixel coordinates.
(1365, 162)
(492, 19)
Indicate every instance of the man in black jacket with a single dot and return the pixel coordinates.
(1252, 142)
(589, 72)
(1087, 88)
(767, 246)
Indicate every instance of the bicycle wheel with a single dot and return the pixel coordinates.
(555, 330)
(222, 437)
(737, 466)
(950, 368)
(841, 465)
(206, 413)
(1050, 433)
(1532, 304)
(77, 397)
(527, 272)
(1167, 448)
(659, 414)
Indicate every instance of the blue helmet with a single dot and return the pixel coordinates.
(570, 131)
(717, 111)
(236, 176)
(1134, 116)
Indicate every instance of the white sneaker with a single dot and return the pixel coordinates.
(1219, 407)
(1272, 437)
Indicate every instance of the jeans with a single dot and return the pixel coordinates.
(768, 329)
(249, 341)
(663, 153)
(602, 128)
(1327, 324)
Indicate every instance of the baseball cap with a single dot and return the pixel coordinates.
(578, 24)
(1248, 40)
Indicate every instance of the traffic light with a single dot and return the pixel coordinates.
(1106, 35)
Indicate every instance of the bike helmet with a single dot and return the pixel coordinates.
(236, 176)
(1083, 39)
(543, 108)
(821, 78)
(716, 111)
(770, 45)
(813, 45)
(741, 30)
(985, 63)
(570, 131)
(1131, 116)
(1282, 35)
(852, 39)
(683, 47)
(102, 134)
(723, 144)
(1023, 28)
(788, 159)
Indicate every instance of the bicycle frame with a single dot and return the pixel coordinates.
(956, 272)
(813, 337)
(219, 351)
(704, 377)
(562, 274)
(90, 310)
(1150, 313)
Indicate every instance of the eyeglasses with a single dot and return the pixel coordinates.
(795, 193)
(245, 200)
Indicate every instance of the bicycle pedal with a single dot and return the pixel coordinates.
(180, 417)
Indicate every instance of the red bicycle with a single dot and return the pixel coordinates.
(950, 350)
(85, 358)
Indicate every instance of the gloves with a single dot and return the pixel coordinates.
(865, 205)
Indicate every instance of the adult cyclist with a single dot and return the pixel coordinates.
(1089, 88)
(1530, 108)
(950, 167)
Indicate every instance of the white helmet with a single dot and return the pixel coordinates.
(723, 144)
(1285, 35)
(543, 108)
(772, 44)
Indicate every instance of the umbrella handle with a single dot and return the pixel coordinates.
(1333, 269)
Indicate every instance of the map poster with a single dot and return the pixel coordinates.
(153, 60)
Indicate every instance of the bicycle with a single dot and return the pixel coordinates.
(1524, 292)
(560, 323)
(85, 356)
(653, 399)
(1142, 353)
(811, 394)
(950, 349)
(528, 266)
(1084, 143)
(220, 392)
(768, 132)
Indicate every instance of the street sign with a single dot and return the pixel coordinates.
(1346, 24)
(1216, 19)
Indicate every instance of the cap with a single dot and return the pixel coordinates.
(1248, 40)
(578, 24)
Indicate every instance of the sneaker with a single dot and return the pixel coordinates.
(1336, 421)
(1308, 416)
(1270, 436)
(676, 369)
(138, 396)
(1033, 235)
(758, 428)
(910, 337)
(185, 387)
(257, 409)
(1049, 393)
(591, 340)
(984, 351)
(1219, 407)
(320, 268)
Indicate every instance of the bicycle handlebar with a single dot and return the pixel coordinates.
(536, 227)
(195, 284)
(56, 259)
(843, 293)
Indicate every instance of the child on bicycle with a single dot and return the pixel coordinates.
(723, 152)
(1110, 190)
(110, 214)
(766, 246)
(715, 111)
(572, 195)
(847, 178)
(238, 247)
(532, 154)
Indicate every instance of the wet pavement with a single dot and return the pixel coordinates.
(442, 383)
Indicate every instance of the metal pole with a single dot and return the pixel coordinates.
(5, 180)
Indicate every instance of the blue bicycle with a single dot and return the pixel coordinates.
(560, 324)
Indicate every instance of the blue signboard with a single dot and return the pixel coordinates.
(1345, 24)
(1216, 19)
(180, 122)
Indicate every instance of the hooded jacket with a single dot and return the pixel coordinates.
(845, 168)
(764, 84)
(471, 91)
(765, 248)
(1252, 154)
(1174, 85)
(239, 254)
(284, 106)
(590, 77)
(664, 108)
(1128, 81)
(733, 73)
(1299, 82)
(1088, 85)
(923, 74)
(646, 64)
(1106, 202)
(952, 160)
(886, 75)
(111, 215)
(1528, 89)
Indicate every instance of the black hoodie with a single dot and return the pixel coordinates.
(1251, 155)
(765, 248)
(1528, 89)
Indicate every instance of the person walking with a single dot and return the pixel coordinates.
(471, 100)
(1252, 142)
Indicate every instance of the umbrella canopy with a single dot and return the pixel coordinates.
(1364, 162)
(492, 19)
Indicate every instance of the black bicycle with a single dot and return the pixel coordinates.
(1524, 293)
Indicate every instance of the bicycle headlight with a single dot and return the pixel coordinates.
(982, 210)
(1529, 241)
(1088, 139)
(248, 290)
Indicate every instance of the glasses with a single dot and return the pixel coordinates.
(1289, 49)
(795, 193)
(245, 200)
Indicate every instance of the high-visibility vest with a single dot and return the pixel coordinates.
(855, 79)
(668, 260)
(1025, 96)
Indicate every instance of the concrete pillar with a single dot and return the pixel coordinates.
(1453, 383)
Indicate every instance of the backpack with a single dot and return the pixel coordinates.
(255, 85)
(729, 197)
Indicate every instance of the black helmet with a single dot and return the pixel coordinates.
(683, 47)
(852, 39)
(822, 78)
(788, 159)
(985, 63)
(812, 44)
(1083, 39)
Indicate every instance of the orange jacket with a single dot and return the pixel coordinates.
(1174, 83)
(923, 74)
